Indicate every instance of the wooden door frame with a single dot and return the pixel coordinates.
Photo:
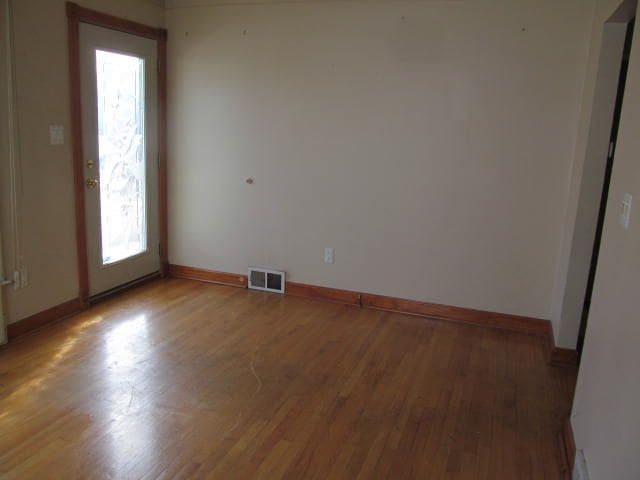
(76, 15)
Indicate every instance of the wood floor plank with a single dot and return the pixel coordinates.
(180, 379)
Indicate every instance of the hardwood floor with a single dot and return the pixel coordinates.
(180, 379)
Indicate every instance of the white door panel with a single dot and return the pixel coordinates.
(119, 125)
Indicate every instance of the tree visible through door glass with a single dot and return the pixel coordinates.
(121, 147)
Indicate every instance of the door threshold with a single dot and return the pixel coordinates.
(101, 297)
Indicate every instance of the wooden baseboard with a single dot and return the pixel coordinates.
(567, 450)
(323, 293)
(563, 357)
(210, 276)
(502, 321)
(43, 318)
(531, 326)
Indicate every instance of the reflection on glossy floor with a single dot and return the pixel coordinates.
(180, 379)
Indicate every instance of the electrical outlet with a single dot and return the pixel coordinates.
(328, 255)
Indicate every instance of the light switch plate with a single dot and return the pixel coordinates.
(625, 216)
(56, 135)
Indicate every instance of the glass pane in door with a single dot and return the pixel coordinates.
(121, 147)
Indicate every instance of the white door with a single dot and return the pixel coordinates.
(119, 77)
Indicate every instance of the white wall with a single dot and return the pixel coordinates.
(605, 412)
(46, 196)
(430, 143)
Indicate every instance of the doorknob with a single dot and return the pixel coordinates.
(90, 163)
(92, 182)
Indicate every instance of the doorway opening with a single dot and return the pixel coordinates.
(597, 168)
(613, 137)
(118, 120)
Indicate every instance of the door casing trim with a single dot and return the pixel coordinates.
(76, 15)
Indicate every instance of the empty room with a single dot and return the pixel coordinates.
(319, 239)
